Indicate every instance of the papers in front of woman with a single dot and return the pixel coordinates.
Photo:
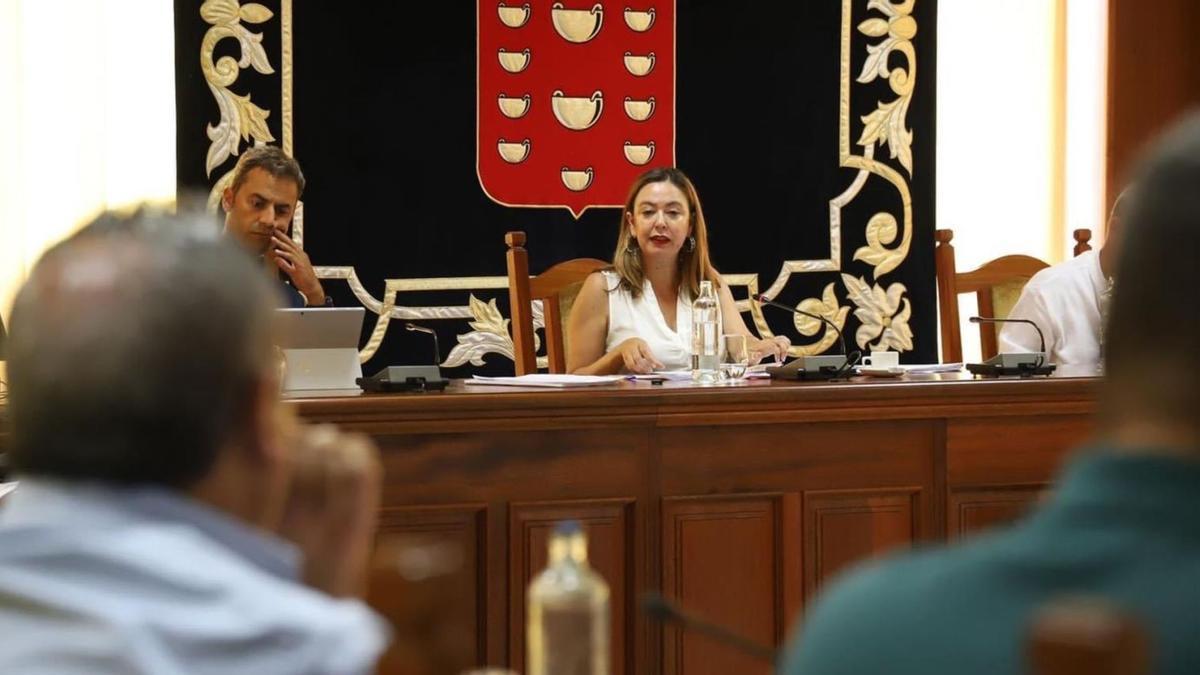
(551, 380)
(920, 368)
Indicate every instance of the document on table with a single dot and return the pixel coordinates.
(551, 380)
(932, 367)
(664, 375)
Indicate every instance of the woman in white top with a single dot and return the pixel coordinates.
(637, 316)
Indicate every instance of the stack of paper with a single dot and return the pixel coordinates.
(932, 367)
(546, 380)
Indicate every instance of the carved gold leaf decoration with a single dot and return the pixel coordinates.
(881, 231)
(883, 314)
(255, 13)
(241, 120)
(889, 236)
(490, 335)
(827, 306)
(488, 318)
(219, 12)
(887, 125)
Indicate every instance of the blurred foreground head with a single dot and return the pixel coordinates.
(139, 348)
(1153, 341)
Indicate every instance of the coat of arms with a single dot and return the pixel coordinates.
(575, 99)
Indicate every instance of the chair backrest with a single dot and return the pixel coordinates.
(996, 285)
(1082, 636)
(556, 288)
(1083, 240)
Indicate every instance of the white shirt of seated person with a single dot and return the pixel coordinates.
(641, 317)
(1066, 302)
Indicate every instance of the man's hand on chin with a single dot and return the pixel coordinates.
(295, 263)
(333, 505)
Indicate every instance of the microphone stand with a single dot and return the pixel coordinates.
(663, 611)
(410, 378)
(821, 371)
(1039, 367)
(437, 352)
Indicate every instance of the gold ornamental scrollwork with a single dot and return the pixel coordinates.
(241, 120)
(887, 125)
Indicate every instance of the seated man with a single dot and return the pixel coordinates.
(170, 517)
(259, 205)
(1069, 302)
(1121, 523)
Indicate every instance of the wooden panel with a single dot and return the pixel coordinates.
(609, 524)
(428, 578)
(842, 527)
(1153, 76)
(794, 457)
(732, 559)
(974, 509)
(983, 451)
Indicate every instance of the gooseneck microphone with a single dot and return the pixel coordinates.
(1041, 336)
(763, 299)
(663, 611)
(437, 352)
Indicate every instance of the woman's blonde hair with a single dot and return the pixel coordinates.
(694, 265)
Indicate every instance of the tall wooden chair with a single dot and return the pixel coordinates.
(556, 288)
(996, 284)
(1083, 636)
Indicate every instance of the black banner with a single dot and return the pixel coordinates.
(781, 109)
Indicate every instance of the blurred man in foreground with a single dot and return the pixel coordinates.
(170, 517)
(260, 204)
(1123, 523)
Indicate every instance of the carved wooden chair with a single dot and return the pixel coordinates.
(996, 284)
(556, 288)
(1083, 636)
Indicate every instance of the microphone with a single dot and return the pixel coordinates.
(663, 611)
(1041, 357)
(437, 352)
(818, 367)
(763, 299)
(409, 378)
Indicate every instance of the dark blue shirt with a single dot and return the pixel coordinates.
(289, 297)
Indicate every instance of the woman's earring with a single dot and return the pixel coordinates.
(691, 244)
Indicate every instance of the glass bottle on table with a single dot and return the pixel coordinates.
(567, 611)
(706, 334)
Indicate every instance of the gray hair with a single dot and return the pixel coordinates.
(135, 350)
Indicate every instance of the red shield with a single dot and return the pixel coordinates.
(575, 99)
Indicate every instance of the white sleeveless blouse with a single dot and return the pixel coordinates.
(630, 317)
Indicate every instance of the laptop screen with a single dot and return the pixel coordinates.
(320, 327)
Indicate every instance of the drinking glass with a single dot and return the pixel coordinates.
(735, 357)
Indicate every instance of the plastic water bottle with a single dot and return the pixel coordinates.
(568, 622)
(706, 333)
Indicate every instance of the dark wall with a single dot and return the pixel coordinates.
(385, 129)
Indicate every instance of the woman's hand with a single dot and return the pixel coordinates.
(777, 346)
(637, 357)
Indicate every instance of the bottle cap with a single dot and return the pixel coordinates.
(567, 528)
